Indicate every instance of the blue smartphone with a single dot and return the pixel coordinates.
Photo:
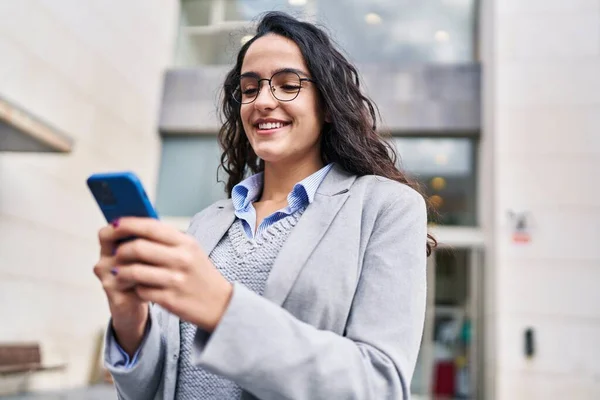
(120, 194)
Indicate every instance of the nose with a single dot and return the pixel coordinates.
(265, 99)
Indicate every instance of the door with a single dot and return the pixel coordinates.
(450, 365)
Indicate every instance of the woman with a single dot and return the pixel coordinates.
(309, 283)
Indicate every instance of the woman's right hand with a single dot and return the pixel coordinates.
(129, 312)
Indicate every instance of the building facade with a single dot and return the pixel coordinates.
(494, 106)
(93, 72)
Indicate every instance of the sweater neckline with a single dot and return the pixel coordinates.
(244, 245)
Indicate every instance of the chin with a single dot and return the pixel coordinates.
(269, 154)
(270, 157)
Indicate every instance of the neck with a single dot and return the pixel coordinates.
(279, 179)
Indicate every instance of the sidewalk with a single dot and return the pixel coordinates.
(99, 392)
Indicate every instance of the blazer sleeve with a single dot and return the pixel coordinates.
(273, 355)
(142, 380)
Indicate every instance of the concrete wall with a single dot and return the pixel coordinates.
(544, 114)
(94, 70)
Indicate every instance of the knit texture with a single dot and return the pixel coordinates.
(243, 260)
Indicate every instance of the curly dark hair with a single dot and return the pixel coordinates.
(350, 139)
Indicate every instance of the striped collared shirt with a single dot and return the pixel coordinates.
(248, 191)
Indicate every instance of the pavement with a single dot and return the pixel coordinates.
(99, 392)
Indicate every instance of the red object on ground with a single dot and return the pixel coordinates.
(443, 380)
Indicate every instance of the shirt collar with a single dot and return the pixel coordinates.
(310, 184)
(248, 190)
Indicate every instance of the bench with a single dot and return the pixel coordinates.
(19, 358)
(17, 362)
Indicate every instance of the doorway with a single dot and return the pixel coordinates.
(450, 362)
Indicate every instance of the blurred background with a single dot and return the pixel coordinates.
(494, 106)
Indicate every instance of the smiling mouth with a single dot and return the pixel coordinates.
(270, 126)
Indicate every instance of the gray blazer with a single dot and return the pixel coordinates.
(342, 313)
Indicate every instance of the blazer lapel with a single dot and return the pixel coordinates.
(214, 225)
(329, 199)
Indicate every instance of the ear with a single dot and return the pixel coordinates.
(327, 117)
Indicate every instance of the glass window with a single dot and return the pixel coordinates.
(196, 13)
(187, 180)
(438, 31)
(445, 167)
(248, 10)
(398, 31)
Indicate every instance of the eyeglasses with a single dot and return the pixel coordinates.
(284, 86)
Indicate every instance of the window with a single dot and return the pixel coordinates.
(432, 31)
(187, 181)
(445, 167)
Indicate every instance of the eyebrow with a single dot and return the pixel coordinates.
(257, 75)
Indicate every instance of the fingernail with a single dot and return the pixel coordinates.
(114, 271)
(115, 223)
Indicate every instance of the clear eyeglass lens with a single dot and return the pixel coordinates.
(285, 86)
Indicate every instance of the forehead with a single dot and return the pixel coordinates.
(272, 52)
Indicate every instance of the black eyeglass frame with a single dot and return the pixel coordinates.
(271, 88)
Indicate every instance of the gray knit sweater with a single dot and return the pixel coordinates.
(242, 260)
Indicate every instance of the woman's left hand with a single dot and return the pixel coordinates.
(168, 267)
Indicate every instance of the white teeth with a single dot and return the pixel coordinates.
(270, 125)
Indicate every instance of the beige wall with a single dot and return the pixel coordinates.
(544, 115)
(94, 70)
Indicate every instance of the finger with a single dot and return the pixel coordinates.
(106, 275)
(147, 252)
(107, 239)
(103, 267)
(105, 272)
(113, 285)
(122, 286)
(159, 296)
(147, 275)
(151, 229)
(122, 298)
